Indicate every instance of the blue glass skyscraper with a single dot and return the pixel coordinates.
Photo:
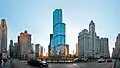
(58, 31)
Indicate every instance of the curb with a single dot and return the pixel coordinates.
(61, 62)
(12, 64)
(114, 64)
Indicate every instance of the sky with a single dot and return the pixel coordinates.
(36, 16)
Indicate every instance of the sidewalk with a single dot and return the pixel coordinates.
(7, 65)
(117, 64)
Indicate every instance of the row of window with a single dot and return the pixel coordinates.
(57, 50)
(59, 29)
(57, 17)
(60, 39)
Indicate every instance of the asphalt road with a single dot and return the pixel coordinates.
(82, 65)
(23, 64)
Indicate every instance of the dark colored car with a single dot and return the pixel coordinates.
(37, 62)
(109, 60)
(12, 58)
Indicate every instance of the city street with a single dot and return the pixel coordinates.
(23, 64)
(82, 65)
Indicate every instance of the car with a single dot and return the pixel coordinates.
(109, 60)
(78, 60)
(101, 60)
(37, 62)
(85, 59)
(12, 58)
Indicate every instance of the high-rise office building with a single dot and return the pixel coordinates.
(65, 50)
(3, 34)
(19, 43)
(11, 51)
(116, 50)
(113, 53)
(97, 44)
(67, 47)
(37, 50)
(77, 49)
(49, 46)
(16, 50)
(89, 44)
(83, 43)
(1, 39)
(117, 43)
(92, 36)
(41, 51)
(24, 43)
(104, 48)
(58, 32)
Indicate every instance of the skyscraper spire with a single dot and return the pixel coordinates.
(58, 32)
(92, 23)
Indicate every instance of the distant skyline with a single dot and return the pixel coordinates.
(36, 16)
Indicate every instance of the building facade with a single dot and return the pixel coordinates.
(58, 33)
(92, 37)
(3, 36)
(90, 45)
(49, 46)
(11, 49)
(0, 39)
(104, 47)
(25, 44)
(77, 49)
(114, 53)
(97, 44)
(83, 43)
(16, 50)
(65, 51)
(116, 50)
(41, 51)
(37, 50)
(117, 43)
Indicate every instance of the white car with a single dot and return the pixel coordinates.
(101, 60)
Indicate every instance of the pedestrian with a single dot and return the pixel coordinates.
(2, 63)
